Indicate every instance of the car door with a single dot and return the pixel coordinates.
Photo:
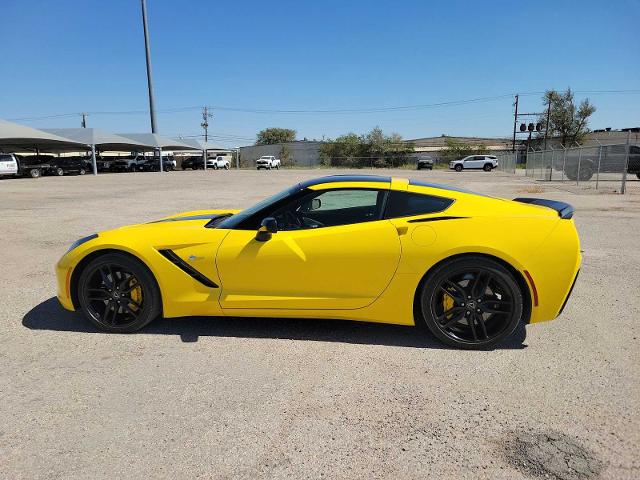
(332, 250)
(477, 161)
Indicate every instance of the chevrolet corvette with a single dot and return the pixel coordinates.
(469, 268)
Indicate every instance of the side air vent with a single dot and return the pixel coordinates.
(186, 268)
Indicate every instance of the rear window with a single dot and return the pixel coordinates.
(407, 204)
(6, 158)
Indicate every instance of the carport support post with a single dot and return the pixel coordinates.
(623, 188)
(160, 154)
(204, 158)
(579, 161)
(94, 164)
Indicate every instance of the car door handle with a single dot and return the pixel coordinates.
(402, 230)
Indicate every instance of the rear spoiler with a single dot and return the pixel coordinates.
(564, 209)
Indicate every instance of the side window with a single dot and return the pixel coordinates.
(479, 157)
(406, 204)
(330, 208)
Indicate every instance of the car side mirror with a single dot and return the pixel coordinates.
(316, 203)
(268, 226)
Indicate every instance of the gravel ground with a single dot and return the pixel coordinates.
(258, 398)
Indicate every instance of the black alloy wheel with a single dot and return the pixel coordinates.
(471, 303)
(458, 168)
(118, 294)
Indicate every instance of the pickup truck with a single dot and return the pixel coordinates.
(34, 166)
(130, 163)
(268, 162)
(8, 165)
(218, 162)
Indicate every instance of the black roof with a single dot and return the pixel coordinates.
(346, 178)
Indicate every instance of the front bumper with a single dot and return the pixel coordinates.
(64, 270)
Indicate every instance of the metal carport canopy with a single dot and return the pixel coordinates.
(15, 138)
(158, 141)
(101, 139)
(203, 146)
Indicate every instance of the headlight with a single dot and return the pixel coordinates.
(82, 240)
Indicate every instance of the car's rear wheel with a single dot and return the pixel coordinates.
(59, 172)
(458, 168)
(82, 171)
(487, 167)
(226, 166)
(34, 173)
(471, 303)
(118, 293)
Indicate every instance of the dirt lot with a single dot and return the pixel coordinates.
(256, 398)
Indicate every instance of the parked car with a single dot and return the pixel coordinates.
(425, 162)
(64, 165)
(104, 164)
(152, 164)
(34, 166)
(219, 162)
(475, 162)
(130, 163)
(268, 162)
(8, 165)
(611, 159)
(193, 163)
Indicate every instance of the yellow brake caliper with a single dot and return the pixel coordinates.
(136, 296)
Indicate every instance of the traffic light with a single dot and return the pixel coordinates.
(538, 127)
(531, 127)
(523, 127)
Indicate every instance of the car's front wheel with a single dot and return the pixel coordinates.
(458, 168)
(118, 294)
(471, 303)
(59, 172)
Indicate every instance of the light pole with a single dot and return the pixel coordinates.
(152, 101)
(237, 158)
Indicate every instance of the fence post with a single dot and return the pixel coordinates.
(623, 188)
(553, 153)
(578, 172)
(598, 171)
(564, 161)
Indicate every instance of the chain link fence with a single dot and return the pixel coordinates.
(608, 166)
(507, 162)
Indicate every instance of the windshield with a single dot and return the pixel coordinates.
(235, 220)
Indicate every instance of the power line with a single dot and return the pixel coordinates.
(324, 111)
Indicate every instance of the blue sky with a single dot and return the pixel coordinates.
(88, 55)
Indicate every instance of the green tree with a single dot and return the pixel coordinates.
(271, 136)
(371, 149)
(285, 157)
(567, 120)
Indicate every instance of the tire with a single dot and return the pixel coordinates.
(82, 171)
(215, 166)
(482, 320)
(638, 175)
(133, 168)
(277, 167)
(227, 166)
(269, 167)
(458, 168)
(419, 167)
(35, 173)
(59, 172)
(487, 167)
(121, 306)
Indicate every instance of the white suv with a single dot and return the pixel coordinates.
(475, 162)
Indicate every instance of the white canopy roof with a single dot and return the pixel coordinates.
(202, 145)
(158, 141)
(15, 137)
(102, 139)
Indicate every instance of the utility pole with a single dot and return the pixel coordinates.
(546, 128)
(152, 101)
(515, 122)
(205, 122)
(84, 120)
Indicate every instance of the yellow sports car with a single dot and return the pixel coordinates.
(372, 248)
